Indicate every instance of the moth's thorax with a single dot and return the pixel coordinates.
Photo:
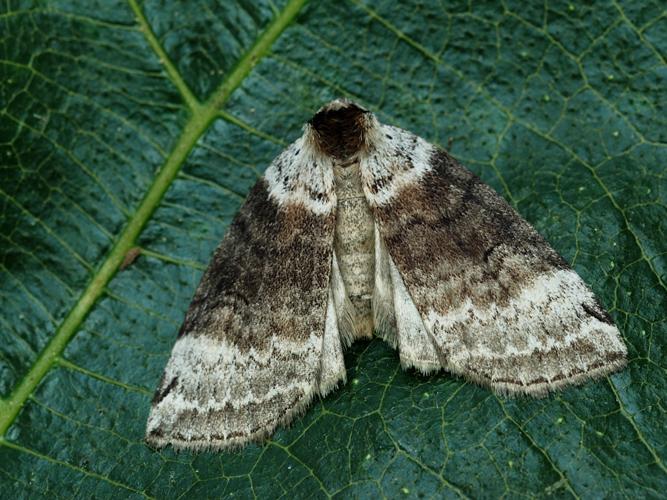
(354, 243)
(340, 129)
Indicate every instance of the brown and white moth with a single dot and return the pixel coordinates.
(356, 228)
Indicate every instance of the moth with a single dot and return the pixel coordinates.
(359, 227)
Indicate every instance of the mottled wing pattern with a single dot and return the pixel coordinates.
(477, 290)
(260, 337)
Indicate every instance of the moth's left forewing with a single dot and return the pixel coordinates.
(476, 289)
(260, 338)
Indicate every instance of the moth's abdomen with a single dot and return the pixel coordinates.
(353, 243)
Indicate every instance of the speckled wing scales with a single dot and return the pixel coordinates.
(476, 289)
(260, 338)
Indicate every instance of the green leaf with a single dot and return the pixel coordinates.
(127, 124)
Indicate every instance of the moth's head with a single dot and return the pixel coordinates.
(339, 128)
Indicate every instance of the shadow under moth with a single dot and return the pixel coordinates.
(356, 228)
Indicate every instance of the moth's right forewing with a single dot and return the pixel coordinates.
(476, 289)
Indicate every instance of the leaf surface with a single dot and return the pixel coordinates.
(144, 124)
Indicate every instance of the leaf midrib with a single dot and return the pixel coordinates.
(202, 115)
